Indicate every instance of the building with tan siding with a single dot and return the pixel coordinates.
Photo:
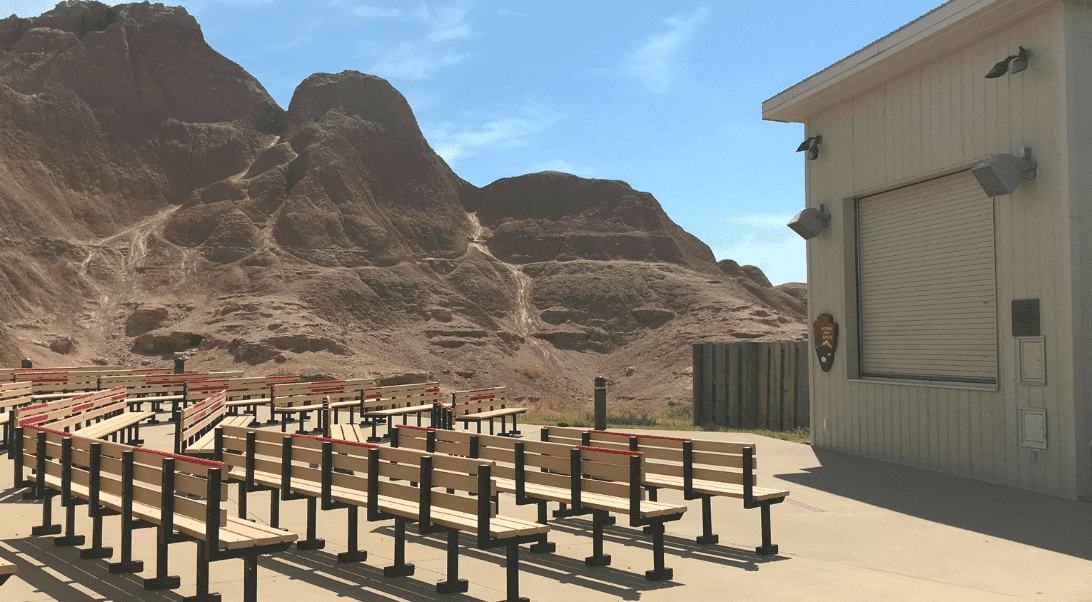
(964, 319)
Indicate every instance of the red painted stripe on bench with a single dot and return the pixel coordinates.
(328, 390)
(353, 443)
(435, 390)
(49, 380)
(190, 459)
(31, 421)
(482, 397)
(642, 436)
(480, 390)
(83, 407)
(609, 451)
(327, 382)
(45, 429)
(416, 428)
(35, 407)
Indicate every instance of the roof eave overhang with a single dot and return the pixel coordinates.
(953, 25)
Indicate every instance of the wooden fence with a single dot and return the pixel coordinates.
(751, 385)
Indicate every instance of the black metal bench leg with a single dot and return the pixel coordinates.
(127, 564)
(399, 568)
(202, 594)
(514, 431)
(243, 487)
(47, 527)
(162, 580)
(312, 542)
(275, 509)
(598, 558)
(767, 546)
(355, 554)
(250, 578)
(658, 572)
(513, 574)
(453, 584)
(707, 537)
(70, 538)
(375, 438)
(542, 546)
(96, 551)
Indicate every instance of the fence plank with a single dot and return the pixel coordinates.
(731, 383)
(719, 384)
(777, 355)
(707, 357)
(788, 387)
(803, 402)
(763, 378)
(698, 401)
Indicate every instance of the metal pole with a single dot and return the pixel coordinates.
(600, 403)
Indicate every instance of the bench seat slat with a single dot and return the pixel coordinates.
(715, 488)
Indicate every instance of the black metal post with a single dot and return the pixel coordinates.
(600, 403)
(399, 568)
(179, 365)
(127, 564)
(67, 499)
(453, 583)
(598, 558)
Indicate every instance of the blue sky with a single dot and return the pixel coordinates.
(663, 95)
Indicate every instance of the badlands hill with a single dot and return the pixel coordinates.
(156, 202)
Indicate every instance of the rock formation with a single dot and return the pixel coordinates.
(155, 201)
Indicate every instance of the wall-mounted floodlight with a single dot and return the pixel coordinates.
(812, 146)
(1002, 173)
(810, 222)
(1019, 64)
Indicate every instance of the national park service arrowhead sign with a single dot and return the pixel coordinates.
(825, 332)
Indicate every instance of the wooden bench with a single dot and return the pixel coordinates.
(94, 415)
(7, 569)
(589, 479)
(195, 428)
(698, 468)
(440, 493)
(385, 402)
(242, 392)
(482, 404)
(50, 384)
(12, 395)
(306, 397)
(178, 495)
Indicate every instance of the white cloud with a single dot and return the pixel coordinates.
(653, 61)
(445, 27)
(509, 13)
(452, 142)
(564, 166)
(764, 240)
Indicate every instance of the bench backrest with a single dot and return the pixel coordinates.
(73, 382)
(190, 475)
(32, 373)
(717, 461)
(72, 411)
(287, 395)
(14, 394)
(349, 466)
(399, 396)
(478, 400)
(195, 420)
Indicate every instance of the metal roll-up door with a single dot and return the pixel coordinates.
(927, 293)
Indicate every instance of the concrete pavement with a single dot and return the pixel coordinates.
(851, 529)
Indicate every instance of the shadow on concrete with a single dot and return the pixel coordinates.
(681, 547)
(1035, 519)
(357, 581)
(622, 584)
(73, 579)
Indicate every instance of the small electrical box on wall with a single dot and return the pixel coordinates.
(1033, 428)
(1025, 318)
(1031, 360)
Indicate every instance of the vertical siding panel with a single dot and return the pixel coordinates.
(732, 384)
(913, 124)
(788, 395)
(707, 379)
(762, 382)
(720, 382)
(697, 389)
